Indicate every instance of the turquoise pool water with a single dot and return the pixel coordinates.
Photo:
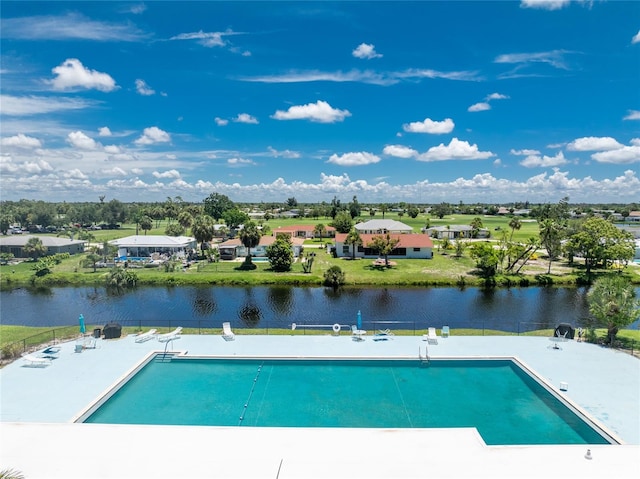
(497, 397)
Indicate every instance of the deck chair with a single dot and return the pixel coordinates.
(357, 334)
(445, 331)
(432, 337)
(227, 334)
(144, 337)
(35, 361)
(171, 336)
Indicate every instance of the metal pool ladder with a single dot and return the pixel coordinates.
(424, 360)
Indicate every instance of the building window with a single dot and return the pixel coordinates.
(416, 250)
(345, 249)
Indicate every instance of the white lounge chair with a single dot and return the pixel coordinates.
(144, 337)
(357, 334)
(36, 361)
(227, 333)
(173, 335)
(431, 336)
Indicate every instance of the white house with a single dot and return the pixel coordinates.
(14, 244)
(233, 248)
(411, 245)
(383, 227)
(304, 231)
(143, 246)
(455, 231)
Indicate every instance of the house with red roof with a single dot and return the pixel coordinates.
(410, 246)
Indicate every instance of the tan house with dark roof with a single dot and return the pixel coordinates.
(304, 231)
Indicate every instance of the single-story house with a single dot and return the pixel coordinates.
(144, 246)
(233, 248)
(411, 245)
(304, 231)
(14, 244)
(383, 227)
(634, 216)
(455, 231)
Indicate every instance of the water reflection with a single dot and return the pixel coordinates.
(514, 309)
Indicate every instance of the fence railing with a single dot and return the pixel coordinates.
(207, 326)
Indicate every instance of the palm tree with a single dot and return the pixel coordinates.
(353, 239)
(250, 237)
(613, 305)
(34, 248)
(514, 224)
(203, 230)
(319, 230)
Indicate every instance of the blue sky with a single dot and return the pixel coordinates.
(426, 102)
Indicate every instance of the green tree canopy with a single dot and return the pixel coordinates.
(34, 248)
(613, 304)
(353, 239)
(334, 277)
(216, 204)
(343, 222)
(280, 253)
(250, 237)
(203, 229)
(383, 245)
(235, 217)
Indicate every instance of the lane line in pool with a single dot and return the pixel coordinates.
(404, 405)
(253, 386)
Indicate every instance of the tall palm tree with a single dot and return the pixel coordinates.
(203, 229)
(353, 239)
(514, 224)
(250, 237)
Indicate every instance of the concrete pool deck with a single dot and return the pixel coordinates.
(39, 439)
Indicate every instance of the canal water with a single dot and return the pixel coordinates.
(512, 310)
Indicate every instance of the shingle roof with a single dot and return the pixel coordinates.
(389, 225)
(47, 241)
(412, 240)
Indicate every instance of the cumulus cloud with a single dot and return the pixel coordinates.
(221, 121)
(354, 159)
(400, 151)
(239, 162)
(72, 74)
(430, 126)
(246, 118)
(104, 131)
(632, 115)
(319, 111)
(36, 105)
(525, 152)
(112, 149)
(167, 174)
(21, 141)
(497, 96)
(455, 150)
(79, 140)
(544, 4)
(283, 154)
(366, 51)
(622, 156)
(593, 143)
(143, 89)
(482, 106)
(534, 161)
(153, 135)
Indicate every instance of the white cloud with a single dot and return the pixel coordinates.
(354, 159)
(497, 96)
(400, 151)
(635, 141)
(592, 143)
(143, 89)
(621, 156)
(554, 58)
(167, 174)
(208, 39)
(544, 4)
(636, 38)
(35, 105)
(246, 118)
(366, 51)
(430, 126)
(483, 106)
(71, 74)
(79, 140)
(320, 112)
(36, 167)
(534, 161)
(104, 131)
(70, 26)
(75, 174)
(21, 141)
(455, 150)
(112, 149)
(239, 162)
(283, 154)
(524, 152)
(632, 115)
(221, 121)
(153, 135)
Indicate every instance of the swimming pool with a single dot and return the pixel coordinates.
(504, 402)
